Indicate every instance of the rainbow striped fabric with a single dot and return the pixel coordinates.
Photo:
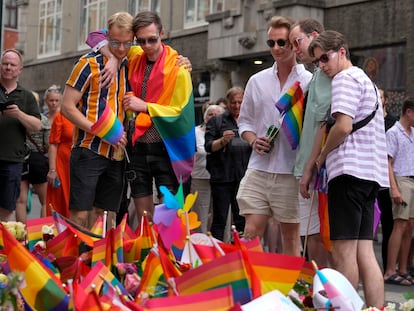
(291, 107)
(108, 127)
(43, 291)
(169, 95)
(34, 229)
(214, 300)
(224, 271)
(275, 271)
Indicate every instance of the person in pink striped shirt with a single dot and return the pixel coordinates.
(356, 163)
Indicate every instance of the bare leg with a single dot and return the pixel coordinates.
(394, 245)
(317, 252)
(99, 212)
(21, 213)
(344, 256)
(290, 238)
(6, 215)
(371, 274)
(144, 204)
(273, 236)
(79, 217)
(41, 190)
(405, 247)
(255, 225)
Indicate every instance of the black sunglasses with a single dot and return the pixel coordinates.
(150, 41)
(324, 58)
(280, 42)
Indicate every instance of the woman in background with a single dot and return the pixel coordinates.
(60, 144)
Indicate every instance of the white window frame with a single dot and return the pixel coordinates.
(196, 20)
(136, 6)
(99, 8)
(50, 28)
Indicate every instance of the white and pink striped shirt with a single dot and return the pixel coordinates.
(363, 154)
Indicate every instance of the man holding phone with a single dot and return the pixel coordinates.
(19, 113)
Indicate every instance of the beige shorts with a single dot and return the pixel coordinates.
(406, 187)
(271, 194)
(308, 216)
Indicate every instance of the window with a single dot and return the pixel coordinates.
(196, 11)
(50, 31)
(93, 16)
(10, 14)
(136, 6)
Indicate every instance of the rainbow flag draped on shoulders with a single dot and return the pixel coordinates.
(291, 107)
(169, 94)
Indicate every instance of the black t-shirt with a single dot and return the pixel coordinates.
(12, 132)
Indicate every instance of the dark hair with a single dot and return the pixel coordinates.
(221, 100)
(144, 19)
(329, 40)
(308, 25)
(408, 103)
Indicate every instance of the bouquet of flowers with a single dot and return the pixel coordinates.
(17, 229)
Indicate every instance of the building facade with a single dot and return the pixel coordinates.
(224, 39)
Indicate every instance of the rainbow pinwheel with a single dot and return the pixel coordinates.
(173, 219)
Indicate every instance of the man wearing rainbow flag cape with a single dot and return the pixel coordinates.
(164, 136)
(269, 188)
(96, 178)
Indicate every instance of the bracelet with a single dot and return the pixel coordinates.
(52, 171)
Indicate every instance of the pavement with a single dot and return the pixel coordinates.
(393, 293)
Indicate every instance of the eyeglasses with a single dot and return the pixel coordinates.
(116, 44)
(280, 42)
(324, 58)
(297, 41)
(150, 41)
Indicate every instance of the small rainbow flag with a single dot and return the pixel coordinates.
(215, 299)
(108, 127)
(291, 106)
(219, 272)
(43, 290)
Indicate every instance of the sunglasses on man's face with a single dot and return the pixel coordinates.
(324, 58)
(117, 44)
(280, 42)
(149, 41)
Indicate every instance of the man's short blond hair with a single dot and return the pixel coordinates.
(122, 20)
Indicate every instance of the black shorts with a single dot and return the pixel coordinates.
(95, 181)
(36, 168)
(351, 208)
(10, 178)
(151, 161)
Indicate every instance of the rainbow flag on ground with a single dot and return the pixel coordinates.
(275, 271)
(43, 291)
(215, 299)
(170, 87)
(291, 107)
(34, 229)
(220, 272)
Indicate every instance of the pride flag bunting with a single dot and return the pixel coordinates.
(108, 127)
(291, 106)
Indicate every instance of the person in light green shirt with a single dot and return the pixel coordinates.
(316, 111)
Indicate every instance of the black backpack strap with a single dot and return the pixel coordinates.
(356, 126)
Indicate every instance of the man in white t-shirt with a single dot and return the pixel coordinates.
(356, 163)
